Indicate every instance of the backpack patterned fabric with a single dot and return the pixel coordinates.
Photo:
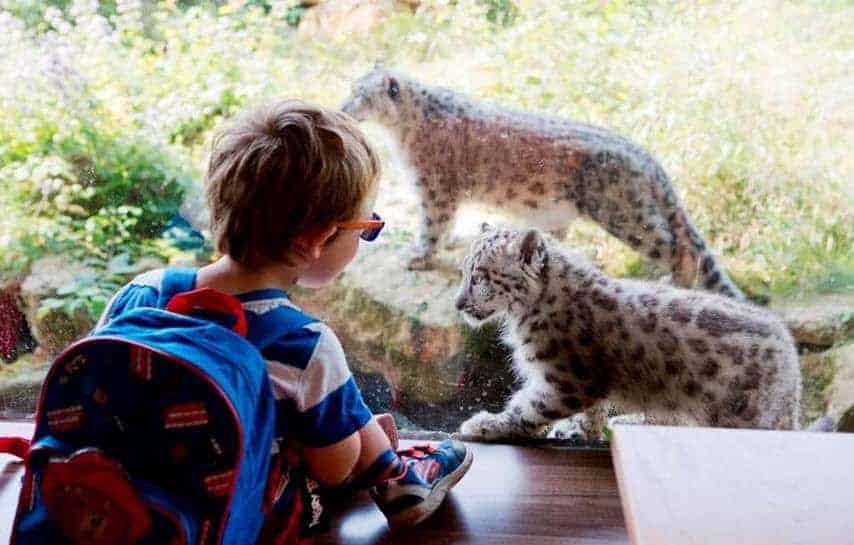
(157, 429)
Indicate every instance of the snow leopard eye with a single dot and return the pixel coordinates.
(478, 277)
(393, 89)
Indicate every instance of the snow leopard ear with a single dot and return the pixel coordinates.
(485, 227)
(532, 249)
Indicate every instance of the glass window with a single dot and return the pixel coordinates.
(107, 111)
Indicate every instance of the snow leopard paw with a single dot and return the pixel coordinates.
(569, 428)
(487, 426)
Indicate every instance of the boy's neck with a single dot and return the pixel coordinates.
(229, 276)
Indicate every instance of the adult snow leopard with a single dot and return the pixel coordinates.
(543, 169)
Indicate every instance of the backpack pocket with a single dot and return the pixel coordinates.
(86, 498)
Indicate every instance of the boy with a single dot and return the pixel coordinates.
(290, 189)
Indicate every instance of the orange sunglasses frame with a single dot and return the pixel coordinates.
(363, 225)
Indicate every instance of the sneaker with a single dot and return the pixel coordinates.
(429, 472)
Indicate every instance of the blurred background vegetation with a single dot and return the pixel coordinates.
(107, 108)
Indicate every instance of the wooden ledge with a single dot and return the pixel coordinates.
(511, 495)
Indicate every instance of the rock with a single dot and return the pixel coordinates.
(54, 329)
(817, 371)
(819, 321)
(346, 17)
(828, 383)
(841, 399)
(20, 384)
(846, 422)
(401, 326)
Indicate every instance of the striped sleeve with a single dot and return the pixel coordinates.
(310, 370)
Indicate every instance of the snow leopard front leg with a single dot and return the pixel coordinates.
(438, 207)
(531, 408)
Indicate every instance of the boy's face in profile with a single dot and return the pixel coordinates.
(335, 249)
(335, 254)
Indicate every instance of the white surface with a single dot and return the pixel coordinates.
(714, 487)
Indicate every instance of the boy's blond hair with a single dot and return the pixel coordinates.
(283, 170)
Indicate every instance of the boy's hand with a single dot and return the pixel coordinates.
(386, 422)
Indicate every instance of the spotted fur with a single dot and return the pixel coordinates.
(580, 338)
(542, 169)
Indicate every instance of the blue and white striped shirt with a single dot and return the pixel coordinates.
(317, 400)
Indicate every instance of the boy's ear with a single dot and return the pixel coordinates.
(310, 244)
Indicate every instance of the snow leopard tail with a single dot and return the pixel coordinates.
(693, 264)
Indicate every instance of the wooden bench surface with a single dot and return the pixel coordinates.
(702, 486)
(511, 495)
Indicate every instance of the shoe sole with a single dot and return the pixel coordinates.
(418, 513)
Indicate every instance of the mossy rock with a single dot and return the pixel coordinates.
(20, 384)
(818, 371)
(828, 379)
(841, 392)
(819, 321)
(54, 329)
(846, 422)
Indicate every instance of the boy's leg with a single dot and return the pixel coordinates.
(429, 472)
(411, 484)
(377, 460)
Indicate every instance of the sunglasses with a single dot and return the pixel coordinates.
(370, 228)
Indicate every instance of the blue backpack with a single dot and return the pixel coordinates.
(155, 430)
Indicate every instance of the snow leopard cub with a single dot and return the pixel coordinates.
(542, 169)
(580, 337)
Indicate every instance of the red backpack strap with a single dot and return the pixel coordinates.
(210, 300)
(16, 446)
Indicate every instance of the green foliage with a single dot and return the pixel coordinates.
(294, 14)
(90, 196)
(31, 12)
(192, 131)
(502, 12)
(88, 294)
